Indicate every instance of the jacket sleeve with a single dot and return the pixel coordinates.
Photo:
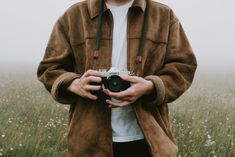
(56, 70)
(178, 70)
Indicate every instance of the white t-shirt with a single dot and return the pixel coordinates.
(123, 120)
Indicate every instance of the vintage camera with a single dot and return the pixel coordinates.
(111, 80)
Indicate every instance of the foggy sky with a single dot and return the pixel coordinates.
(25, 27)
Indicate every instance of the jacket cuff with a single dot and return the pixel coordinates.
(156, 98)
(59, 88)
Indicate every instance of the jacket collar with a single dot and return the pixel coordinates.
(94, 4)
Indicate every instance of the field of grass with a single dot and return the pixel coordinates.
(33, 125)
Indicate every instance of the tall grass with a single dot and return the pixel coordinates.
(203, 119)
(33, 125)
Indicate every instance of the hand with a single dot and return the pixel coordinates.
(82, 86)
(139, 87)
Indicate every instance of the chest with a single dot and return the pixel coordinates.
(83, 42)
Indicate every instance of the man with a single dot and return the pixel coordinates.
(142, 36)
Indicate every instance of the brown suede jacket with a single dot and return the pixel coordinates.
(168, 62)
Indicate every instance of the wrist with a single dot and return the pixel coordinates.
(72, 86)
(149, 87)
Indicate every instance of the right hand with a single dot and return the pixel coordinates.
(82, 85)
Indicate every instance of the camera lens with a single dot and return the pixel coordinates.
(114, 83)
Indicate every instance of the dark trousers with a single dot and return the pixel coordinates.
(131, 149)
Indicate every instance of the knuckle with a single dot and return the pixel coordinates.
(89, 71)
(132, 99)
(84, 90)
(136, 78)
(82, 94)
(85, 95)
(86, 80)
(109, 93)
(85, 87)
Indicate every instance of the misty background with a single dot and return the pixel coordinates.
(25, 27)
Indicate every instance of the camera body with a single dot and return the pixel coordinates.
(112, 81)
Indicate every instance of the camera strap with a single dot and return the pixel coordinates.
(139, 56)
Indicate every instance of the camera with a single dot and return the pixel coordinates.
(112, 81)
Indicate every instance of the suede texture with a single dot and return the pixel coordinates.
(168, 62)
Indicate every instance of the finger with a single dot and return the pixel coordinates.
(91, 96)
(126, 98)
(92, 73)
(90, 79)
(117, 104)
(131, 79)
(112, 106)
(92, 88)
(117, 95)
(106, 91)
(83, 93)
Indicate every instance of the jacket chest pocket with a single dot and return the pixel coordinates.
(84, 52)
(81, 57)
(154, 56)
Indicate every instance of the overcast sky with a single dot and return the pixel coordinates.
(25, 27)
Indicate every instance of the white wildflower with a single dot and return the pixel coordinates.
(209, 143)
(209, 136)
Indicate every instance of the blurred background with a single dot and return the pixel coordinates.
(33, 124)
(25, 27)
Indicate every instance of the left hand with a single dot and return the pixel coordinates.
(139, 87)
